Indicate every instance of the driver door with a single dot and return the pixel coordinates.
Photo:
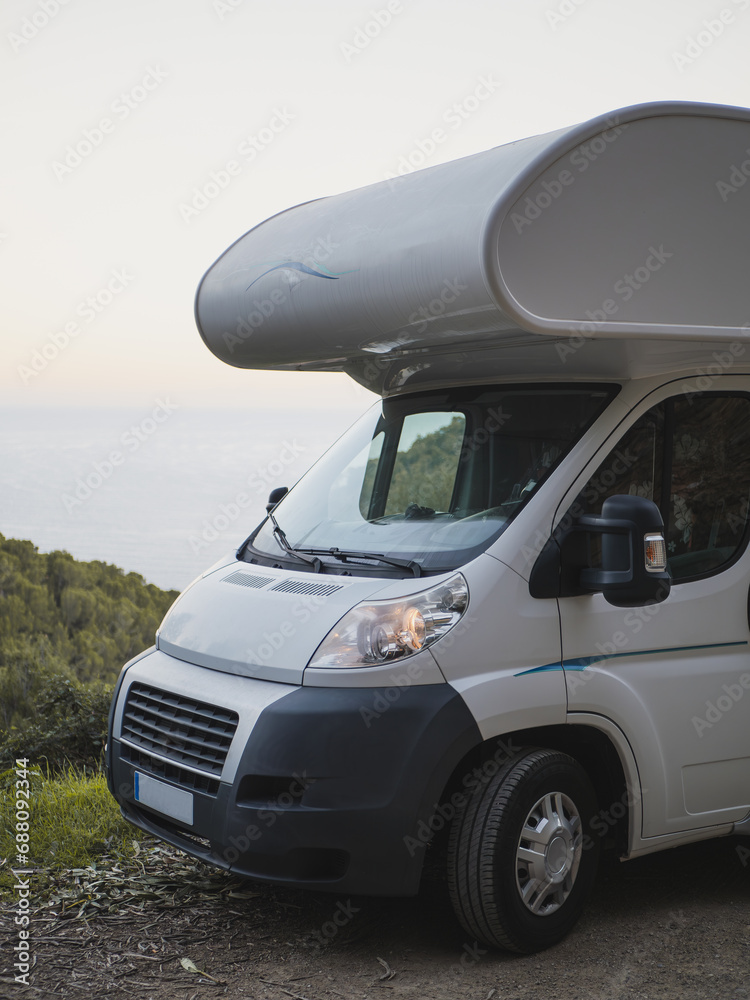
(675, 676)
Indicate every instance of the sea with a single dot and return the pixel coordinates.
(162, 492)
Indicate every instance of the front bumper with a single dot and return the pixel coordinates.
(326, 788)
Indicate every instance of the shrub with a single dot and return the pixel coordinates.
(68, 728)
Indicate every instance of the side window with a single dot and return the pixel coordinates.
(634, 466)
(691, 456)
(710, 482)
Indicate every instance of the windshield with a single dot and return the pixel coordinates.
(429, 479)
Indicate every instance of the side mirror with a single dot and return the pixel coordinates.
(634, 553)
(275, 495)
(633, 570)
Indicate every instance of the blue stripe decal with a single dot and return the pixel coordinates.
(581, 662)
(538, 670)
(297, 265)
(136, 776)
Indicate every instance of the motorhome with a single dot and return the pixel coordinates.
(505, 616)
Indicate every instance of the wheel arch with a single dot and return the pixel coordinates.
(597, 745)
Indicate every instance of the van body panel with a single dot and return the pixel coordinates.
(488, 655)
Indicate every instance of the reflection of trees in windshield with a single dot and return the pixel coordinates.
(424, 472)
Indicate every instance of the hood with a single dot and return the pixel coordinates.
(258, 622)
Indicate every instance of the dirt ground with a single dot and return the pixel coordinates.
(671, 925)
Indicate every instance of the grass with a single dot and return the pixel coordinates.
(73, 823)
(87, 860)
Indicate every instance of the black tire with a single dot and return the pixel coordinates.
(491, 866)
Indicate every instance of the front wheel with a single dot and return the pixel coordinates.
(520, 861)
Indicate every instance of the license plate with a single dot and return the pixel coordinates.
(165, 799)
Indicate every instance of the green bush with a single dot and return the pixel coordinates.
(60, 617)
(68, 728)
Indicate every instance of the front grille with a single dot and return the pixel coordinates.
(177, 738)
(191, 780)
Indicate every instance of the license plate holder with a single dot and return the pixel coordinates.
(173, 802)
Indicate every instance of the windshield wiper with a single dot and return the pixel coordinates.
(280, 536)
(346, 554)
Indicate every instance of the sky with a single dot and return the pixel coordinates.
(142, 137)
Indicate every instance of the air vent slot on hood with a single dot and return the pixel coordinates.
(303, 587)
(247, 579)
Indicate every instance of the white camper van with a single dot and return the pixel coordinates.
(507, 612)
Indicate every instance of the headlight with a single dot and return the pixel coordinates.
(381, 631)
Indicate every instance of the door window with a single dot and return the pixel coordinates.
(691, 456)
